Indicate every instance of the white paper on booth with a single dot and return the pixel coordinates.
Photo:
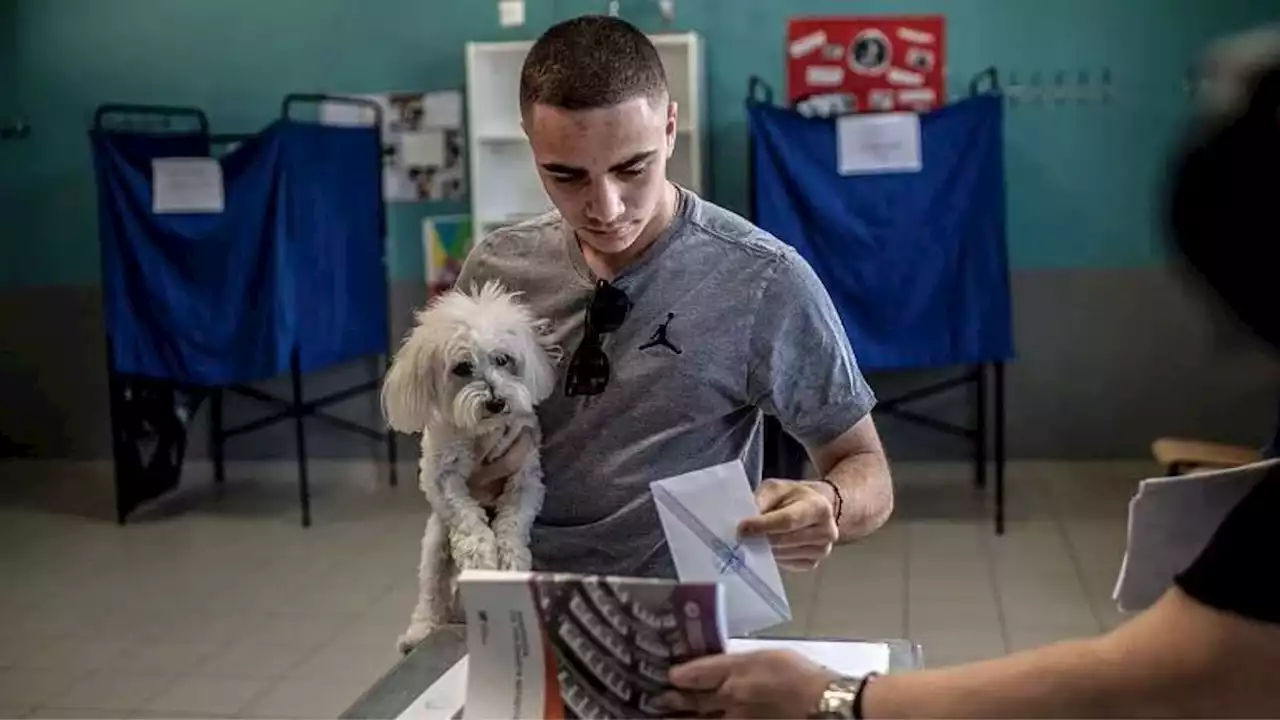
(443, 700)
(844, 657)
(442, 110)
(1171, 520)
(879, 143)
(187, 185)
(700, 513)
(346, 114)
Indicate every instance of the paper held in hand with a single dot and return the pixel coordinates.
(573, 646)
(1171, 520)
(700, 513)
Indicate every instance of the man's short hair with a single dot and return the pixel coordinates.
(591, 62)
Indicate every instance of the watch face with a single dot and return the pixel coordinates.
(837, 700)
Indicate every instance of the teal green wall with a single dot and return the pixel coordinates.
(10, 151)
(1081, 178)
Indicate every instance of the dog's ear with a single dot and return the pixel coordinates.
(411, 386)
(541, 374)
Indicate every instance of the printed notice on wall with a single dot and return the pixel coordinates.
(186, 185)
(422, 142)
(878, 143)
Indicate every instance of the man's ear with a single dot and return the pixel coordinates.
(673, 125)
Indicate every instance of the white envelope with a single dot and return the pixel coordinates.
(700, 514)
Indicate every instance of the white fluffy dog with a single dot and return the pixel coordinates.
(468, 377)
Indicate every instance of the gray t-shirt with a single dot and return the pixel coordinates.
(748, 329)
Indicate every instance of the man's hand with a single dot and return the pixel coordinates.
(764, 684)
(799, 520)
(488, 480)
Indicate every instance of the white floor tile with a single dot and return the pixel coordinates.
(364, 662)
(255, 657)
(162, 657)
(206, 694)
(74, 655)
(305, 699)
(112, 690)
(32, 688)
(78, 713)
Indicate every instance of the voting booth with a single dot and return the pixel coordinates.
(229, 260)
(902, 216)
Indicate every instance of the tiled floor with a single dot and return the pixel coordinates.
(222, 606)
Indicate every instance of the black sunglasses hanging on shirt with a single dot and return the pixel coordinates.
(588, 372)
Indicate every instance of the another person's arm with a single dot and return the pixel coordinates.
(805, 374)
(1178, 659)
(1209, 648)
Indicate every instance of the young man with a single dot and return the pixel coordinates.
(681, 323)
(1211, 646)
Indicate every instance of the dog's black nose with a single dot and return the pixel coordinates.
(495, 405)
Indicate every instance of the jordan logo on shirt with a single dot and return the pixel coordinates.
(660, 337)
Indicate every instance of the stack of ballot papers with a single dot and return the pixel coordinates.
(1171, 520)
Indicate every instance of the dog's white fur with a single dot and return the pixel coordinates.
(468, 353)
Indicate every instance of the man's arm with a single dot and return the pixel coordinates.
(1178, 659)
(805, 374)
(855, 462)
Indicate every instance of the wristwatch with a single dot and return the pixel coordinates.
(842, 700)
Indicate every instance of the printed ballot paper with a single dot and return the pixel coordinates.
(1171, 520)
(700, 513)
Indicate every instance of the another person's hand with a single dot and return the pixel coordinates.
(488, 480)
(763, 684)
(799, 520)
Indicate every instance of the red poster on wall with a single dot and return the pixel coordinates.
(867, 63)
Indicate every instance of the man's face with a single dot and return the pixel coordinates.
(605, 169)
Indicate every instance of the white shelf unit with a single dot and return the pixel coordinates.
(504, 182)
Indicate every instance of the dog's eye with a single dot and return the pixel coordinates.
(462, 369)
(502, 360)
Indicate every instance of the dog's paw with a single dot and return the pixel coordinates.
(514, 556)
(481, 556)
(486, 558)
(412, 637)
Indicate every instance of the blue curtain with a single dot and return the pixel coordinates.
(916, 263)
(294, 262)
